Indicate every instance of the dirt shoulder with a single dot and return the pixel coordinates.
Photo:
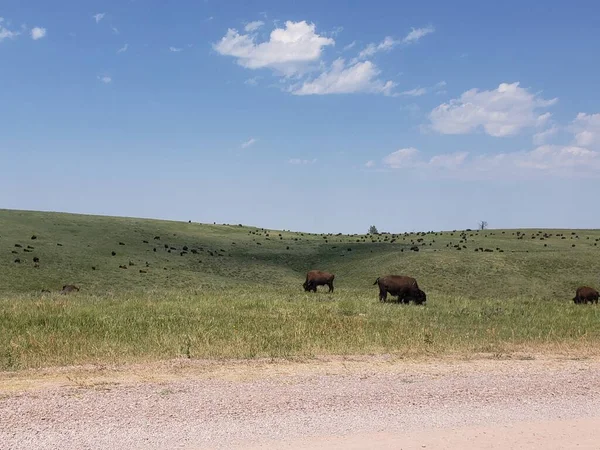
(360, 402)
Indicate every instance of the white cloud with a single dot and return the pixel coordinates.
(417, 33)
(115, 30)
(555, 157)
(546, 160)
(105, 79)
(123, 49)
(342, 79)
(98, 17)
(253, 26)
(5, 33)
(38, 33)
(287, 51)
(586, 130)
(298, 161)
(175, 49)
(384, 46)
(500, 112)
(370, 163)
(248, 143)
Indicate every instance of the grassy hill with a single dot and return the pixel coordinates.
(69, 247)
(206, 290)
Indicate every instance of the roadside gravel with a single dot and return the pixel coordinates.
(364, 402)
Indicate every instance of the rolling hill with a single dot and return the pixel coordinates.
(78, 249)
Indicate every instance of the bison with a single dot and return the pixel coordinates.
(406, 288)
(316, 278)
(69, 288)
(586, 294)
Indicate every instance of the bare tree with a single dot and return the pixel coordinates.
(483, 225)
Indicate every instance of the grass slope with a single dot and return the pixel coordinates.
(236, 292)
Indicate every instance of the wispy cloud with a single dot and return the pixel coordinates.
(350, 46)
(38, 33)
(384, 46)
(298, 161)
(417, 33)
(572, 160)
(543, 136)
(252, 81)
(123, 49)
(370, 164)
(5, 33)
(248, 143)
(419, 91)
(416, 92)
(98, 17)
(175, 49)
(586, 128)
(253, 26)
(389, 43)
(343, 79)
(115, 30)
(105, 79)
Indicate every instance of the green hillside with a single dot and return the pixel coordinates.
(230, 291)
(191, 255)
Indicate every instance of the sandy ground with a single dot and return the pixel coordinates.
(334, 403)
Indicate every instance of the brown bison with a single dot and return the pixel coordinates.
(316, 278)
(69, 288)
(586, 294)
(406, 288)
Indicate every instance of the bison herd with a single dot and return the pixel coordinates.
(407, 289)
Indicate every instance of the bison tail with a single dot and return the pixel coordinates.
(376, 281)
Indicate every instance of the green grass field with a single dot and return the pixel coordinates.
(236, 291)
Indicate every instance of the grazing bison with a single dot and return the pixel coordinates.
(316, 278)
(69, 288)
(406, 288)
(586, 294)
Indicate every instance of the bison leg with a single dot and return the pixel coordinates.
(330, 284)
(382, 295)
(314, 287)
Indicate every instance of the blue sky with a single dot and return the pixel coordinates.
(304, 115)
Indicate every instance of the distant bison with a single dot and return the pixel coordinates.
(406, 288)
(316, 278)
(67, 288)
(586, 294)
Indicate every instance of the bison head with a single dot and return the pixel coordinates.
(420, 298)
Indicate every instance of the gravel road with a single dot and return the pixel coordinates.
(334, 403)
